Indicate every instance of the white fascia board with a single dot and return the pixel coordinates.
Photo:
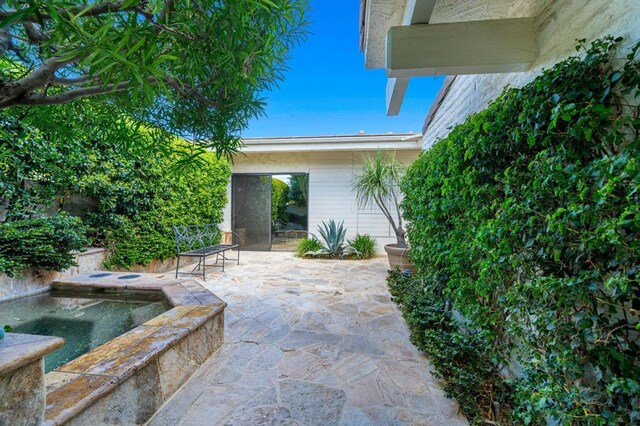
(396, 142)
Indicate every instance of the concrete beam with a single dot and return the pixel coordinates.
(396, 89)
(418, 12)
(476, 47)
(415, 12)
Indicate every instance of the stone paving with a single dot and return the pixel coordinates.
(310, 342)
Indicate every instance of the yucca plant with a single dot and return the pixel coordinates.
(378, 183)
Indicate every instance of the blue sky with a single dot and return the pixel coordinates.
(328, 90)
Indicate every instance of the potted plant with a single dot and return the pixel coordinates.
(379, 182)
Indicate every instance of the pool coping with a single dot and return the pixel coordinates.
(80, 383)
(18, 350)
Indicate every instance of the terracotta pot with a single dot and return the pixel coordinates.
(399, 257)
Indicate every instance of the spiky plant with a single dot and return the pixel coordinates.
(364, 245)
(333, 236)
(307, 245)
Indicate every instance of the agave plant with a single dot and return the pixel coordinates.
(333, 234)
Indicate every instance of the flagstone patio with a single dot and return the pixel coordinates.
(310, 342)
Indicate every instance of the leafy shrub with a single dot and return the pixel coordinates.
(45, 243)
(141, 197)
(306, 245)
(279, 198)
(332, 234)
(527, 218)
(137, 194)
(299, 190)
(364, 246)
(459, 354)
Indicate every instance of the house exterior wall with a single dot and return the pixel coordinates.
(559, 24)
(330, 195)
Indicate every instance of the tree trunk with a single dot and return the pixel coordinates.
(400, 238)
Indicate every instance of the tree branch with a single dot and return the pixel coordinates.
(166, 10)
(73, 81)
(397, 205)
(187, 91)
(35, 80)
(17, 37)
(386, 213)
(34, 32)
(89, 10)
(68, 96)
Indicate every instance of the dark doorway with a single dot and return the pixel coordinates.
(251, 206)
(270, 211)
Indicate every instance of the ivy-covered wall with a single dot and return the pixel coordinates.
(558, 24)
(140, 197)
(136, 192)
(525, 220)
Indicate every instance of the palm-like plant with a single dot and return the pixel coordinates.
(379, 183)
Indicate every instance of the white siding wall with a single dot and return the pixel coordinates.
(330, 195)
(558, 25)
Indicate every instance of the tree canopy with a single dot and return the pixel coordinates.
(196, 68)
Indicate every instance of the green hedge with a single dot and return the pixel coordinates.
(44, 243)
(526, 219)
(460, 355)
(279, 199)
(139, 182)
(141, 196)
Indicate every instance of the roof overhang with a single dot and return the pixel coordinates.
(373, 142)
(446, 37)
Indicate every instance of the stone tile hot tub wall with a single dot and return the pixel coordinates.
(35, 281)
(126, 380)
(22, 389)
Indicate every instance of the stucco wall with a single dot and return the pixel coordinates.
(559, 24)
(330, 196)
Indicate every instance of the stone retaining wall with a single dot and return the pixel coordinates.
(37, 280)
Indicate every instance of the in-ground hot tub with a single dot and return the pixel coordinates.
(86, 318)
(125, 380)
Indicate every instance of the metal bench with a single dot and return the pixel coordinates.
(202, 241)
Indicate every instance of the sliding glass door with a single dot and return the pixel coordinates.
(251, 210)
(270, 211)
